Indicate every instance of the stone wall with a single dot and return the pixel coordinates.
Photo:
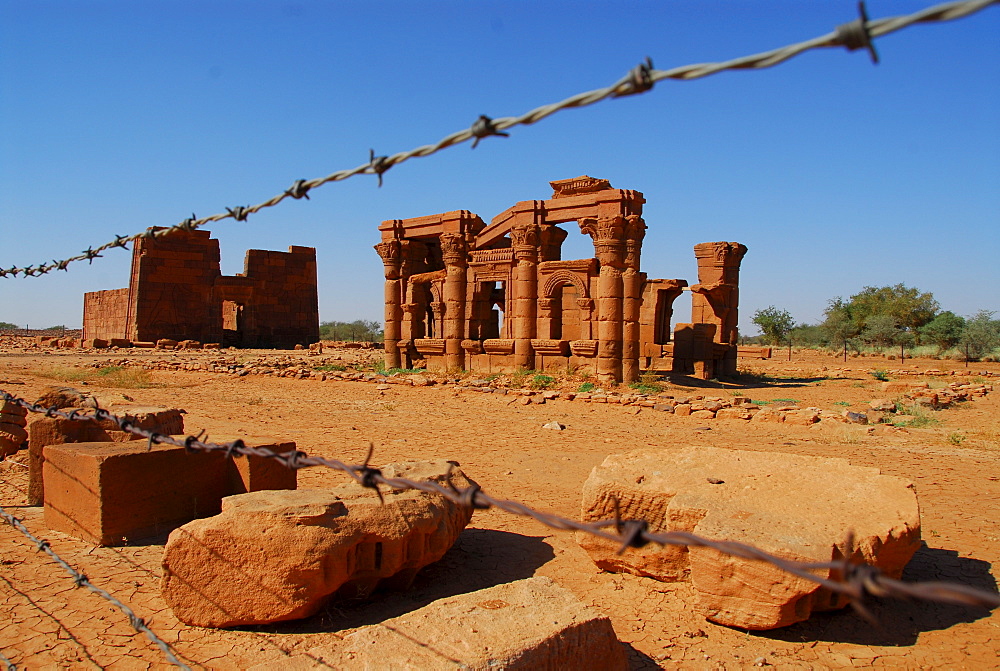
(177, 292)
(105, 313)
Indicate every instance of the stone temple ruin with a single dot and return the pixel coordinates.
(178, 292)
(460, 294)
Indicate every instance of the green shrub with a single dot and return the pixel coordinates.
(540, 381)
(880, 375)
(587, 387)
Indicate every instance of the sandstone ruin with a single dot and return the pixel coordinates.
(461, 294)
(795, 507)
(280, 555)
(178, 292)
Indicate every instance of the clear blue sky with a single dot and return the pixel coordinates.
(837, 174)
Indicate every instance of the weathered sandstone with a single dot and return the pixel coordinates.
(272, 556)
(795, 507)
(527, 624)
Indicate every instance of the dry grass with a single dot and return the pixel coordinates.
(112, 377)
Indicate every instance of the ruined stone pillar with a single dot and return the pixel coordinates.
(454, 253)
(414, 255)
(635, 231)
(715, 298)
(609, 246)
(525, 243)
(391, 253)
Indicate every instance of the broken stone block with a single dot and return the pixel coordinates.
(525, 624)
(272, 556)
(109, 492)
(46, 431)
(803, 417)
(795, 507)
(733, 413)
(13, 419)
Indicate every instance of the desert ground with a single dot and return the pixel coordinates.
(951, 456)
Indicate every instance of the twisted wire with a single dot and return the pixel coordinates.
(81, 581)
(854, 35)
(856, 582)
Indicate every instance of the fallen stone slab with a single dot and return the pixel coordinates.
(273, 556)
(796, 507)
(107, 493)
(45, 431)
(526, 624)
(13, 419)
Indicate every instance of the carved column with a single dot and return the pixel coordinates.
(609, 246)
(454, 253)
(414, 254)
(391, 253)
(635, 231)
(525, 239)
(715, 299)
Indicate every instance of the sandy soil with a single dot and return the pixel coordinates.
(500, 443)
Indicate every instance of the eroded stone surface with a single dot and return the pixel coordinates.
(526, 624)
(13, 419)
(796, 507)
(272, 556)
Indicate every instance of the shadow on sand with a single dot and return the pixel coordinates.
(901, 621)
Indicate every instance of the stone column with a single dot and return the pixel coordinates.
(454, 253)
(715, 299)
(391, 253)
(525, 242)
(608, 234)
(635, 231)
(414, 254)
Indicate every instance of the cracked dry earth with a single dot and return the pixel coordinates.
(49, 623)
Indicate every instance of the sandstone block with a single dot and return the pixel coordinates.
(526, 624)
(104, 492)
(804, 417)
(682, 409)
(733, 413)
(272, 556)
(768, 414)
(703, 414)
(165, 343)
(795, 507)
(119, 342)
(46, 431)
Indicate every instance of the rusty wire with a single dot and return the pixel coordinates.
(854, 35)
(81, 581)
(855, 581)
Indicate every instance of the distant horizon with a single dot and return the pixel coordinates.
(837, 174)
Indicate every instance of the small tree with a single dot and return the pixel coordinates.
(980, 335)
(880, 331)
(7, 326)
(839, 325)
(944, 330)
(774, 323)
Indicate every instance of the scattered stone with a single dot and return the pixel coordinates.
(273, 556)
(65, 397)
(554, 425)
(792, 506)
(522, 625)
(682, 409)
(13, 419)
(856, 417)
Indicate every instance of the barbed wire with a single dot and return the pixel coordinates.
(7, 664)
(81, 581)
(857, 34)
(855, 581)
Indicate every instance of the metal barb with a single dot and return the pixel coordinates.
(483, 127)
(239, 213)
(855, 35)
(638, 80)
(298, 190)
(378, 165)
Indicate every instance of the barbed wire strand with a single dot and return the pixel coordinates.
(7, 664)
(855, 35)
(855, 581)
(81, 581)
